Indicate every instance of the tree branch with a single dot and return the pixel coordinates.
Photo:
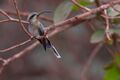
(17, 55)
(78, 19)
(15, 46)
(90, 59)
(19, 18)
(59, 27)
(25, 14)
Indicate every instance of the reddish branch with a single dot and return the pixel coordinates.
(107, 25)
(16, 56)
(9, 18)
(15, 46)
(5, 14)
(25, 14)
(56, 28)
(77, 19)
(19, 18)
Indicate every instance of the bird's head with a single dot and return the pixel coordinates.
(32, 17)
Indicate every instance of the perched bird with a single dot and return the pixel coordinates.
(36, 29)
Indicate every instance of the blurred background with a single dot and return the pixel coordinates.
(73, 45)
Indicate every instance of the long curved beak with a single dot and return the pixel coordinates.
(42, 12)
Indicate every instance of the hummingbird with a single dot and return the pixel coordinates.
(37, 29)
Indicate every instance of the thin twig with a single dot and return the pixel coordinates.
(111, 17)
(110, 51)
(104, 12)
(59, 27)
(10, 18)
(16, 20)
(5, 14)
(25, 14)
(15, 46)
(89, 23)
(23, 27)
(18, 55)
(6, 20)
(90, 59)
(107, 26)
(79, 18)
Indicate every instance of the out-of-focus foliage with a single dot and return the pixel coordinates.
(114, 35)
(62, 11)
(114, 12)
(116, 31)
(73, 44)
(112, 71)
(83, 3)
(97, 36)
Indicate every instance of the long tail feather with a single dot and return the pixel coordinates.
(53, 48)
(55, 51)
(47, 44)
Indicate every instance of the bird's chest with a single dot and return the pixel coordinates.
(34, 30)
(35, 23)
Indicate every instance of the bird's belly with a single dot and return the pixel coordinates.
(34, 31)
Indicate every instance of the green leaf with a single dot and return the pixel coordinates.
(112, 12)
(112, 72)
(62, 11)
(97, 36)
(83, 3)
(117, 58)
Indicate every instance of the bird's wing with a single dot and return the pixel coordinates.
(41, 29)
